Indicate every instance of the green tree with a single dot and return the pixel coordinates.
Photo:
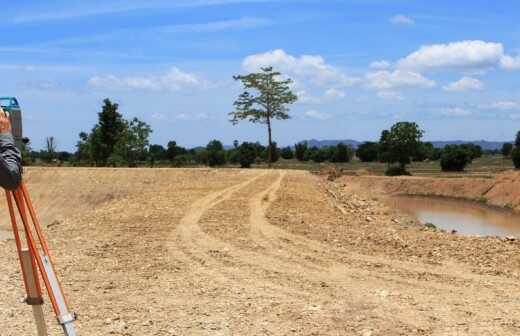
(368, 151)
(172, 150)
(299, 151)
(401, 143)
(216, 154)
(342, 153)
(455, 158)
(266, 103)
(246, 154)
(506, 149)
(287, 153)
(111, 127)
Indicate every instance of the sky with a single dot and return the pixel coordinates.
(358, 66)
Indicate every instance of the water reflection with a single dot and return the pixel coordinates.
(468, 218)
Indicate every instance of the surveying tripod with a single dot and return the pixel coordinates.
(34, 256)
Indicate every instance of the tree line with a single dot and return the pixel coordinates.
(266, 97)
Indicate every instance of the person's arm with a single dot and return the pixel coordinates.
(10, 157)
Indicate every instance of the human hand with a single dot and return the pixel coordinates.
(5, 122)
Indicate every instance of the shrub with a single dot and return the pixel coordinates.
(455, 158)
(116, 160)
(483, 199)
(342, 153)
(515, 156)
(300, 151)
(287, 153)
(246, 154)
(396, 171)
(368, 151)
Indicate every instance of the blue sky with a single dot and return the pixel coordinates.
(358, 65)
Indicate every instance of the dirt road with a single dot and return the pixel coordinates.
(253, 252)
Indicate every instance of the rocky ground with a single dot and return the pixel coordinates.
(253, 252)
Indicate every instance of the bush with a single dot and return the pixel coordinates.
(455, 158)
(342, 153)
(116, 160)
(515, 156)
(368, 151)
(396, 171)
(300, 151)
(506, 149)
(246, 154)
(287, 153)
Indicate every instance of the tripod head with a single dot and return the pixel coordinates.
(10, 104)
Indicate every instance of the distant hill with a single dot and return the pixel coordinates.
(486, 145)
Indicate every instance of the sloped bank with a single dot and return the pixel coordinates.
(503, 190)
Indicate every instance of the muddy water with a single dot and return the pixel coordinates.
(468, 218)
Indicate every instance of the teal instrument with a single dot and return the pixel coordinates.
(11, 105)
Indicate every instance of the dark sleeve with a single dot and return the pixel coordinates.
(10, 163)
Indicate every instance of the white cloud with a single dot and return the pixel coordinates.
(402, 20)
(510, 63)
(216, 26)
(464, 54)
(191, 117)
(175, 79)
(334, 93)
(464, 84)
(379, 65)
(455, 112)
(501, 105)
(317, 115)
(311, 67)
(386, 80)
(390, 95)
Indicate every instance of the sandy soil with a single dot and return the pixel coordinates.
(252, 252)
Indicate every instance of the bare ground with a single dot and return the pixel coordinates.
(253, 252)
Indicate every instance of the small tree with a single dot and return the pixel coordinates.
(268, 103)
(506, 149)
(455, 158)
(287, 153)
(299, 151)
(111, 127)
(246, 154)
(216, 153)
(367, 151)
(342, 153)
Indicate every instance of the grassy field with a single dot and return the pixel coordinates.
(487, 164)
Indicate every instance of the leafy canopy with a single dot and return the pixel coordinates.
(266, 97)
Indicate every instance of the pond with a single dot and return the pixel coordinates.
(467, 218)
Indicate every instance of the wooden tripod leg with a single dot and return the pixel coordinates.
(34, 297)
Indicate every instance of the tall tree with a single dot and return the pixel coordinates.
(266, 103)
(111, 127)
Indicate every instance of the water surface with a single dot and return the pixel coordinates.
(467, 218)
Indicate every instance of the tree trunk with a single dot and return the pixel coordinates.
(270, 147)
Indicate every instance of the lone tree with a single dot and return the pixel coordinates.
(267, 102)
(400, 143)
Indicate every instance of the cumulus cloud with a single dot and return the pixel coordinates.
(390, 95)
(334, 93)
(311, 67)
(379, 65)
(390, 80)
(464, 54)
(175, 79)
(402, 20)
(502, 105)
(455, 112)
(510, 63)
(464, 84)
(313, 114)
